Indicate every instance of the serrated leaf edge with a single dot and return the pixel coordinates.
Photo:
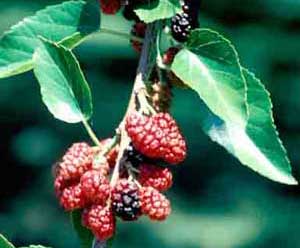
(292, 180)
(238, 62)
(28, 64)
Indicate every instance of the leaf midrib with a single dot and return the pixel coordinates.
(215, 87)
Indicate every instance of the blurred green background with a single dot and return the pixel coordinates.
(217, 203)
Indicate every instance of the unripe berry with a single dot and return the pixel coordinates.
(101, 165)
(157, 137)
(110, 7)
(95, 187)
(154, 204)
(169, 55)
(77, 160)
(72, 198)
(138, 30)
(156, 177)
(100, 220)
(60, 184)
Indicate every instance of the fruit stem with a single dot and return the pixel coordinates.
(91, 133)
(99, 244)
(123, 144)
(106, 148)
(121, 34)
(114, 141)
(133, 177)
(145, 106)
(132, 169)
(138, 183)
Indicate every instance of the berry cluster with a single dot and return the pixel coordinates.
(110, 181)
(183, 23)
(82, 176)
(81, 183)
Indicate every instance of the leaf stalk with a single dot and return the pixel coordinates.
(91, 133)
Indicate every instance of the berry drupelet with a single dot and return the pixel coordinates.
(100, 220)
(154, 204)
(134, 157)
(192, 7)
(181, 27)
(157, 136)
(156, 177)
(125, 200)
(183, 23)
(77, 160)
(72, 198)
(95, 187)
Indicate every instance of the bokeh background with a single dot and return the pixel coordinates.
(217, 203)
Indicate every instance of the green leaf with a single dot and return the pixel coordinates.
(238, 112)
(63, 86)
(4, 243)
(70, 21)
(257, 145)
(34, 246)
(210, 65)
(159, 9)
(85, 235)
